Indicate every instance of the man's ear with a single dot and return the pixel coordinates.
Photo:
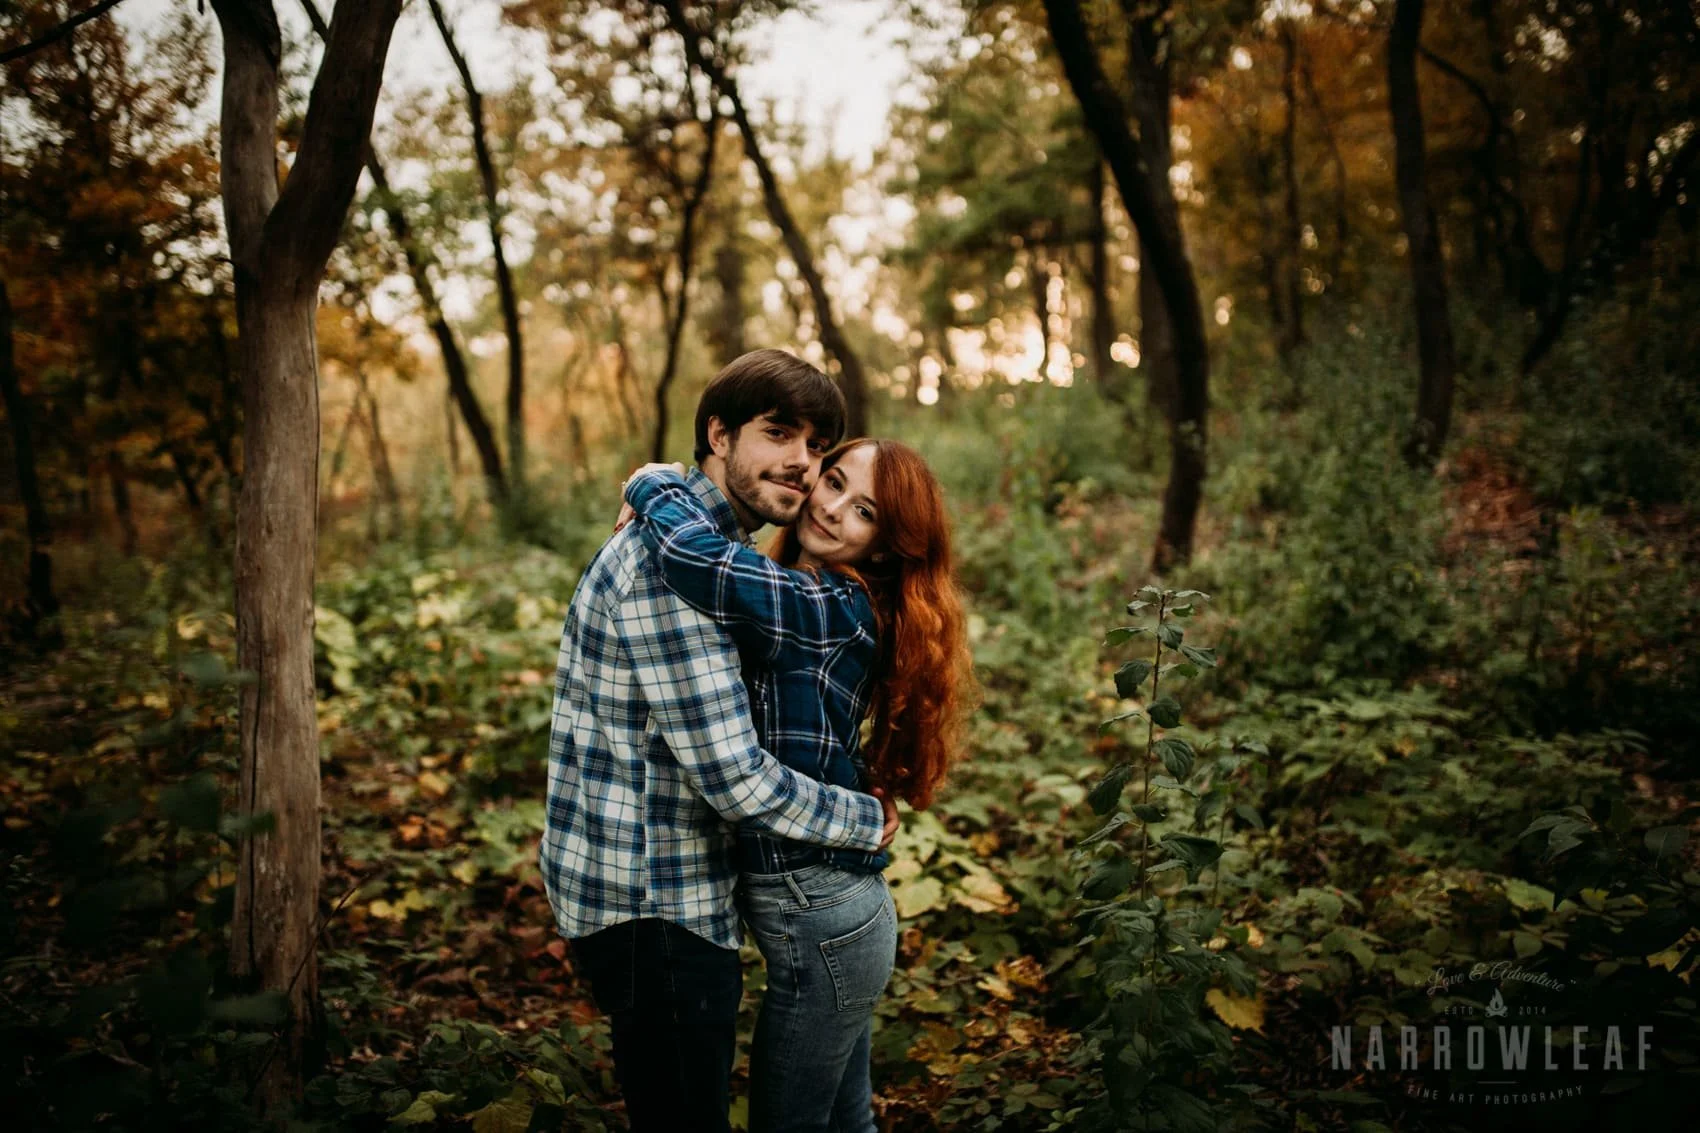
(719, 437)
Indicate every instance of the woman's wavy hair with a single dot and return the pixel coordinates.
(925, 675)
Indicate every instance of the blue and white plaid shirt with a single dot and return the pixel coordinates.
(809, 644)
(652, 753)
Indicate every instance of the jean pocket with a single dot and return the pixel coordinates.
(860, 961)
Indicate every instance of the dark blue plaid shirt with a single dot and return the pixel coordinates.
(652, 752)
(809, 648)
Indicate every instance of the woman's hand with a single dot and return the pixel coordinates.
(626, 513)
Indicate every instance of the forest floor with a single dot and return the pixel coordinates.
(1386, 844)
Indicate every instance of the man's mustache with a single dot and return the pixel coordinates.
(799, 484)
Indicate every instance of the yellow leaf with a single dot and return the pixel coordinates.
(901, 870)
(980, 892)
(997, 987)
(465, 871)
(919, 896)
(1239, 1012)
(434, 784)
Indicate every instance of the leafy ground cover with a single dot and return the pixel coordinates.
(1443, 723)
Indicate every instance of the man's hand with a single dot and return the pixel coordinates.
(626, 513)
(890, 809)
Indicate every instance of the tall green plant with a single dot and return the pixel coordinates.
(1160, 949)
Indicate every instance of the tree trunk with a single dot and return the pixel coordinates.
(727, 330)
(461, 393)
(504, 277)
(850, 378)
(1039, 289)
(1293, 335)
(280, 242)
(121, 508)
(1103, 314)
(1342, 222)
(379, 453)
(41, 603)
(1422, 233)
(686, 257)
(1142, 175)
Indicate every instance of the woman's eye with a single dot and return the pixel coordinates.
(865, 514)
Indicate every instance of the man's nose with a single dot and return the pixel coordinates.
(798, 455)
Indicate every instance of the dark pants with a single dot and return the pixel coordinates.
(671, 998)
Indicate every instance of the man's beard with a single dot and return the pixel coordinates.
(744, 486)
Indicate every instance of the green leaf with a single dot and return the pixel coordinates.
(1165, 711)
(1665, 840)
(1182, 669)
(1198, 853)
(1198, 594)
(1164, 867)
(1203, 657)
(1249, 813)
(193, 803)
(1122, 634)
(1130, 677)
(1183, 611)
(1114, 720)
(1103, 797)
(1136, 607)
(1149, 813)
(1164, 783)
(265, 1009)
(1109, 881)
(1116, 822)
(1177, 756)
(1544, 822)
(1170, 635)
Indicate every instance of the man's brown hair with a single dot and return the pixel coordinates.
(771, 381)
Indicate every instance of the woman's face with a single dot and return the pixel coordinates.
(840, 520)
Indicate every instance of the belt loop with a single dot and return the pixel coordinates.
(796, 890)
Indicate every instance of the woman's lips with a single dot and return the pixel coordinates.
(823, 532)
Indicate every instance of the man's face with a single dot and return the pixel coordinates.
(770, 466)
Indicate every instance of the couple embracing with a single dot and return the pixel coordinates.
(707, 767)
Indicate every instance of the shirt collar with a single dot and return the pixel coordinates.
(719, 507)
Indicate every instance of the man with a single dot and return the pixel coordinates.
(653, 753)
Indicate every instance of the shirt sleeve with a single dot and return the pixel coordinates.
(770, 611)
(689, 673)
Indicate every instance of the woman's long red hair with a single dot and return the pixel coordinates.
(925, 672)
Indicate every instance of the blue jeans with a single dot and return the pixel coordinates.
(830, 939)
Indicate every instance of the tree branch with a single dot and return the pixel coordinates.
(56, 34)
(307, 220)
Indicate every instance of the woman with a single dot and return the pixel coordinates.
(855, 616)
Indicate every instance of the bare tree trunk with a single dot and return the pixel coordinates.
(686, 256)
(504, 277)
(453, 436)
(280, 242)
(1039, 288)
(379, 452)
(850, 378)
(461, 393)
(1342, 222)
(727, 330)
(41, 602)
(122, 510)
(1422, 233)
(1293, 335)
(1144, 184)
(1103, 315)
